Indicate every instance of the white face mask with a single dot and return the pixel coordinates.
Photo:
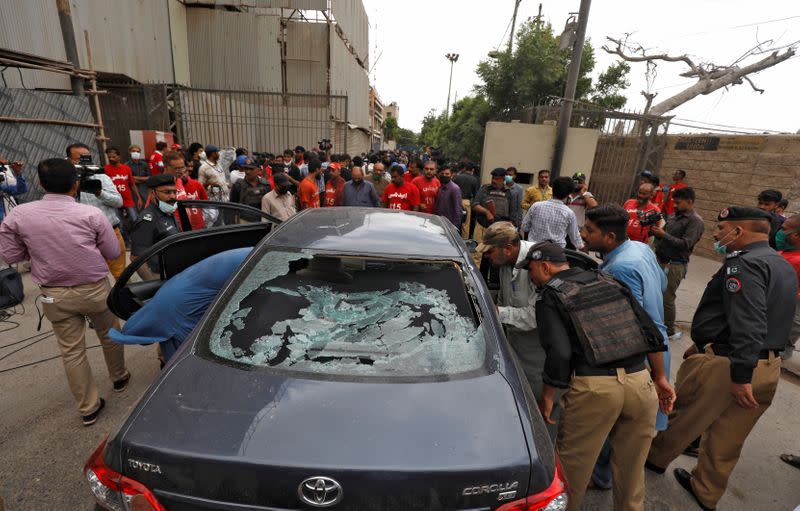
(167, 208)
(136, 155)
(202, 155)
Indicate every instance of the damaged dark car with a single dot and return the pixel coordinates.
(353, 362)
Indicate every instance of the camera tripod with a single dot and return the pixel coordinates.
(7, 202)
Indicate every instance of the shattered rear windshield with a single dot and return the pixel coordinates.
(349, 316)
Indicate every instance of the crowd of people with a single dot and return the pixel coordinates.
(613, 418)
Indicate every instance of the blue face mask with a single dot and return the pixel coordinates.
(509, 180)
(720, 247)
(166, 207)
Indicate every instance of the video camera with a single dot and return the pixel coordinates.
(649, 218)
(325, 144)
(86, 169)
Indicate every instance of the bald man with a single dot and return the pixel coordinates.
(729, 375)
(639, 209)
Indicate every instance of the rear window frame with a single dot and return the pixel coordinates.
(202, 340)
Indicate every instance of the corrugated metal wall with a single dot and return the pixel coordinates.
(235, 51)
(32, 143)
(314, 5)
(128, 37)
(352, 17)
(31, 26)
(307, 57)
(347, 77)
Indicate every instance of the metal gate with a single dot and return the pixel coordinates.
(629, 143)
(260, 121)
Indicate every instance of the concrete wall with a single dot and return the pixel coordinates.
(732, 170)
(529, 148)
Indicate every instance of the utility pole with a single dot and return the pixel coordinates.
(513, 25)
(452, 57)
(569, 92)
(71, 49)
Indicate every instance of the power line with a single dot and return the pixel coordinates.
(712, 128)
(726, 125)
(765, 22)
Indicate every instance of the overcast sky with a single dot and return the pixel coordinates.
(411, 37)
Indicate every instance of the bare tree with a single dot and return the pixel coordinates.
(710, 77)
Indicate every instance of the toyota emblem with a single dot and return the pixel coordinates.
(320, 491)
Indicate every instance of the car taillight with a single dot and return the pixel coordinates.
(114, 491)
(553, 498)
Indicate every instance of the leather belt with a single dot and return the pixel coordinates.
(607, 371)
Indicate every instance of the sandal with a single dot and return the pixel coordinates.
(791, 459)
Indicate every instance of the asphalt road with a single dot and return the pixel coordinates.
(43, 444)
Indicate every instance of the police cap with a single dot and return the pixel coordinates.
(499, 171)
(160, 180)
(280, 179)
(733, 213)
(499, 234)
(543, 251)
(248, 163)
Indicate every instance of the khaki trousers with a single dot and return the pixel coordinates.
(67, 313)
(706, 407)
(467, 204)
(622, 407)
(117, 266)
(675, 274)
(477, 236)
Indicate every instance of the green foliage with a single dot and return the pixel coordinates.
(390, 128)
(533, 74)
(406, 137)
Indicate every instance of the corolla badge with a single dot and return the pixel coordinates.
(320, 491)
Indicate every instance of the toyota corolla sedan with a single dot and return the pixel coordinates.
(353, 362)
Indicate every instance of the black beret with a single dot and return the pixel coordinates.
(499, 171)
(733, 213)
(544, 251)
(160, 180)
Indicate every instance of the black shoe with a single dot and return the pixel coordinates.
(121, 385)
(90, 419)
(685, 479)
(654, 468)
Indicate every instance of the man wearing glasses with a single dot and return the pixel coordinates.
(157, 220)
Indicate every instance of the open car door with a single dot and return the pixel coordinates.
(228, 230)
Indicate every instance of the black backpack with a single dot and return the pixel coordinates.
(11, 292)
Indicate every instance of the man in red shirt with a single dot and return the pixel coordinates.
(428, 185)
(187, 188)
(787, 239)
(308, 191)
(413, 170)
(122, 177)
(334, 187)
(157, 159)
(677, 183)
(637, 207)
(399, 194)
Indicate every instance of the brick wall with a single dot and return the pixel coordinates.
(732, 170)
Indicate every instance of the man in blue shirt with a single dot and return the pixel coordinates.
(171, 315)
(12, 183)
(635, 265)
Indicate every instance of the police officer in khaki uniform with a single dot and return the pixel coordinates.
(156, 221)
(616, 398)
(729, 376)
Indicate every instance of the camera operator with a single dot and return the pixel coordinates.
(104, 197)
(640, 214)
(67, 244)
(676, 240)
(12, 183)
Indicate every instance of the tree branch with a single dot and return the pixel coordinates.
(748, 80)
(696, 70)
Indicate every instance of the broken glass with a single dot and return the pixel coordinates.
(371, 320)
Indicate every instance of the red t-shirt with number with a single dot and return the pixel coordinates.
(428, 191)
(122, 176)
(333, 192)
(308, 193)
(636, 231)
(191, 190)
(401, 197)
